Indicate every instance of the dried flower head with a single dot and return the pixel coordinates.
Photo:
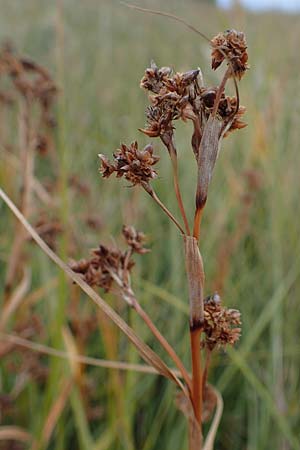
(135, 239)
(110, 267)
(155, 78)
(172, 98)
(159, 121)
(221, 325)
(237, 123)
(99, 270)
(231, 44)
(231, 116)
(134, 164)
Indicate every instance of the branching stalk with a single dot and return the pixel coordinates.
(128, 295)
(152, 193)
(164, 343)
(169, 143)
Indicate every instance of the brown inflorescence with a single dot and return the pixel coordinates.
(221, 324)
(230, 45)
(110, 267)
(135, 239)
(176, 96)
(135, 165)
(170, 98)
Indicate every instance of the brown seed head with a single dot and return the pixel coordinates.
(99, 269)
(154, 79)
(221, 325)
(231, 44)
(173, 94)
(135, 239)
(134, 164)
(110, 267)
(159, 120)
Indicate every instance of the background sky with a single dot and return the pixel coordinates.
(287, 5)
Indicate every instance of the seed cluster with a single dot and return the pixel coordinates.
(221, 325)
(131, 163)
(110, 267)
(230, 45)
(182, 96)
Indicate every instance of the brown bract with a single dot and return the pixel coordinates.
(134, 164)
(221, 325)
(231, 44)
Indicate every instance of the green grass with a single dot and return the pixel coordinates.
(97, 51)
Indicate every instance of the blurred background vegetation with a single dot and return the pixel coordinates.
(97, 52)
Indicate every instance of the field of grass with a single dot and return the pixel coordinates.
(97, 52)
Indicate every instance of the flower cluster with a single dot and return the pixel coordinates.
(170, 99)
(182, 96)
(221, 325)
(110, 267)
(135, 165)
(135, 239)
(231, 45)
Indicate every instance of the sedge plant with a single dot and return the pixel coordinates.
(181, 96)
(214, 115)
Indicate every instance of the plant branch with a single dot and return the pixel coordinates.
(227, 74)
(168, 141)
(128, 295)
(152, 193)
(177, 191)
(164, 343)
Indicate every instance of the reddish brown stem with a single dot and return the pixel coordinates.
(197, 223)
(178, 193)
(196, 373)
(164, 343)
(221, 90)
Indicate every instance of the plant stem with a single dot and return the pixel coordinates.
(164, 343)
(151, 192)
(197, 223)
(177, 191)
(227, 74)
(195, 335)
(129, 296)
(168, 141)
